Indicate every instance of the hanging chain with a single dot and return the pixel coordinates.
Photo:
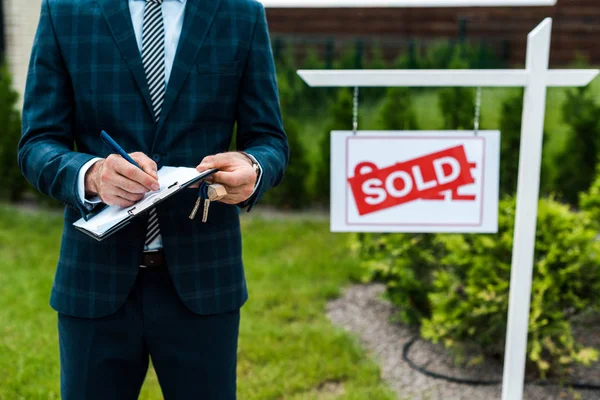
(355, 112)
(477, 110)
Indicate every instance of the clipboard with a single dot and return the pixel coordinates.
(113, 218)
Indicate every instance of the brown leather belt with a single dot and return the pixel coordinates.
(153, 259)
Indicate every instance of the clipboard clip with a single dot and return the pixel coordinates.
(148, 203)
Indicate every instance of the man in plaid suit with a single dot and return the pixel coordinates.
(168, 79)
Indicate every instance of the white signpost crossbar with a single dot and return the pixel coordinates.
(440, 78)
(535, 78)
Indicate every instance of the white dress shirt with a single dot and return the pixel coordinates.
(173, 14)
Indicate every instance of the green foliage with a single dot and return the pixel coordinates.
(440, 55)
(457, 104)
(375, 61)
(410, 59)
(580, 153)
(465, 279)
(405, 263)
(589, 201)
(13, 182)
(350, 58)
(511, 115)
(458, 108)
(341, 119)
(510, 128)
(444, 54)
(397, 111)
(292, 192)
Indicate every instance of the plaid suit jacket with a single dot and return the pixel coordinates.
(86, 75)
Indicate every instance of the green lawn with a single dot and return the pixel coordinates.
(288, 348)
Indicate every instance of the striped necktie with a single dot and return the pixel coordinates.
(153, 60)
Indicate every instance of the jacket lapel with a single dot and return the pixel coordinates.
(199, 15)
(118, 18)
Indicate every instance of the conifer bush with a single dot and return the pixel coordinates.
(589, 201)
(510, 142)
(341, 119)
(292, 192)
(579, 156)
(457, 104)
(13, 183)
(457, 285)
(397, 111)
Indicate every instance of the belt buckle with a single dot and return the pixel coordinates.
(150, 252)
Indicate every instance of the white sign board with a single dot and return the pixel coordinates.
(414, 181)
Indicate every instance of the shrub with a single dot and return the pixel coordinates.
(457, 104)
(510, 129)
(397, 111)
(411, 59)
(466, 278)
(350, 58)
(13, 182)
(589, 201)
(510, 145)
(375, 61)
(579, 155)
(405, 262)
(308, 99)
(341, 119)
(292, 191)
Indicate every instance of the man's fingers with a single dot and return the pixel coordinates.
(114, 200)
(236, 195)
(239, 177)
(135, 174)
(133, 197)
(232, 179)
(217, 161)
(128, 185)
(147, 164)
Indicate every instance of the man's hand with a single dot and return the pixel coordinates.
(235, 173)
(120, 183)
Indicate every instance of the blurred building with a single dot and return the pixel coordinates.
(504, 30)
(20, 18)
(576, 29)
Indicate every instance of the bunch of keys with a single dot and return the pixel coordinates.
(207, 193)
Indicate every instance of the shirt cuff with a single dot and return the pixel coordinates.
(260, 173)
(87, 203)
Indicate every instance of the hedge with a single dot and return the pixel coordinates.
(456, 286)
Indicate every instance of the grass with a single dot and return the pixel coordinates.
(288, 349)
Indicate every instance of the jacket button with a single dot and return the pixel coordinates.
(156, 158)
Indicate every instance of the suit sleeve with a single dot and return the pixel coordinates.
(46, 149)
(260, 128)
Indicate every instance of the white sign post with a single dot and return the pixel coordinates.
(536, 77)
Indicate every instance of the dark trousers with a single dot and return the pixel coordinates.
(107, 358)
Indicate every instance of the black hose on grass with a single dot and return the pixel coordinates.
(481, 382)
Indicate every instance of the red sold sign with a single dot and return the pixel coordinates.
(420, 178)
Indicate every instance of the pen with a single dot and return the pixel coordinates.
(116, 148)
